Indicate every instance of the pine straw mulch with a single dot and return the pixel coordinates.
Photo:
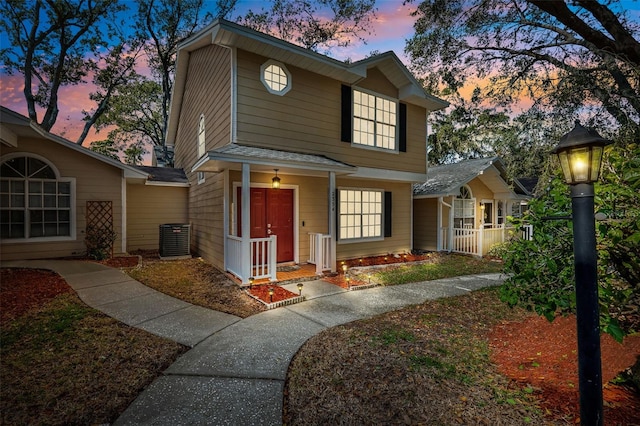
(62, 362)
(435, 363)
(195, 281)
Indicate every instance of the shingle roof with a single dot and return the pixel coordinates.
(236, 153)
(447, 179)
(528, 183)
(164, 174)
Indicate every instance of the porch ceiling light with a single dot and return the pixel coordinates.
(275, 182)
(580, 154)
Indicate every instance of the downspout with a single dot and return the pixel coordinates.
(123, 195)
(332, 219)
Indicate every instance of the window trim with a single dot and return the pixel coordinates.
(339, 216)
(58, 179)
(397, 124)
(264, 81)
(201, 141)
(200, 177)
(472, 200)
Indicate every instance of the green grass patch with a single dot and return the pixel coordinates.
(443, 267)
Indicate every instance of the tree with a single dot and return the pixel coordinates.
(136, 113)
(55, 44)
(314, 24)
(106, 148)
(541, 271)
(471, 130)
(165, 23)
(567, 57)
(133, 154)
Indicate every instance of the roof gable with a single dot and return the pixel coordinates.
(231, 35)
(22, 126)
(447, 179)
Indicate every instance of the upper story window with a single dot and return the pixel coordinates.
(201, 137)
(275, 77)
(35, 203)
(375, 120)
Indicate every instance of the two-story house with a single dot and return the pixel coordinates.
(293, 156)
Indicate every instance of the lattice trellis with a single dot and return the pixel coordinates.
(100, 217)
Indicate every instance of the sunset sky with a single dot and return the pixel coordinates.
(392, 27)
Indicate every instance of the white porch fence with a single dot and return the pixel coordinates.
(320, 251)
(262, 257)
(478, 242)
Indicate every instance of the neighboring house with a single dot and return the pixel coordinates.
(52, 190)
(463, 207)
(345, 142)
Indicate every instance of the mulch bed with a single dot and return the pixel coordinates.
(121, 261)
(279, 294)
(340, 278)
(21, 294)
(543, 354)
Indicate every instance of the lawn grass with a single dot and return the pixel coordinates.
(65, 363)
(444, 266)
(424, 364)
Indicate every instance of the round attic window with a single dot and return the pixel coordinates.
(275, 77)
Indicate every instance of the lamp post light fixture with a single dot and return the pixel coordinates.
(300, 289)
(580, 154)
(271, 294)
(348, 280)
(251, 283)
(275, 181)
(344, 268)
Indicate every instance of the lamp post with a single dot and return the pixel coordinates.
(580, 154)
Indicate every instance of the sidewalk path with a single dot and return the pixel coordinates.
(235, 372)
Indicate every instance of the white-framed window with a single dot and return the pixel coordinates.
(35, 202)
(464, 209)
(201, 137)
(500, 214)
(360, 214)
(201, 178)
(275, 77)
(375, 120)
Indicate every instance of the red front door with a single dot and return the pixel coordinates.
(271, 214)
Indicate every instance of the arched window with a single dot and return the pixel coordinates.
(35, 202)
(464, 209)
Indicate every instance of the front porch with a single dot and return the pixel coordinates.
(478, 242)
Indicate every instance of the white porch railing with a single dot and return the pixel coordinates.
(478, 242)
(320, 251)
(262, 257)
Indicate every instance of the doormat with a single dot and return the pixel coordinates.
(288, 268)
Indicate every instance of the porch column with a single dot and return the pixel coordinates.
(439, 225)
(450, 233)
(332, 220)
(246, 223)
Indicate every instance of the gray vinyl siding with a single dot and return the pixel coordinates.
(148, 207)
(308, 118)
(208, 92)
(425, 223)
(94, 181)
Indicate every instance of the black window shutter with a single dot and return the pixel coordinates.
(387, 214)
(345, 135)
(403, 128)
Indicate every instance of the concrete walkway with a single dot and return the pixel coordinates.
(235, 372)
